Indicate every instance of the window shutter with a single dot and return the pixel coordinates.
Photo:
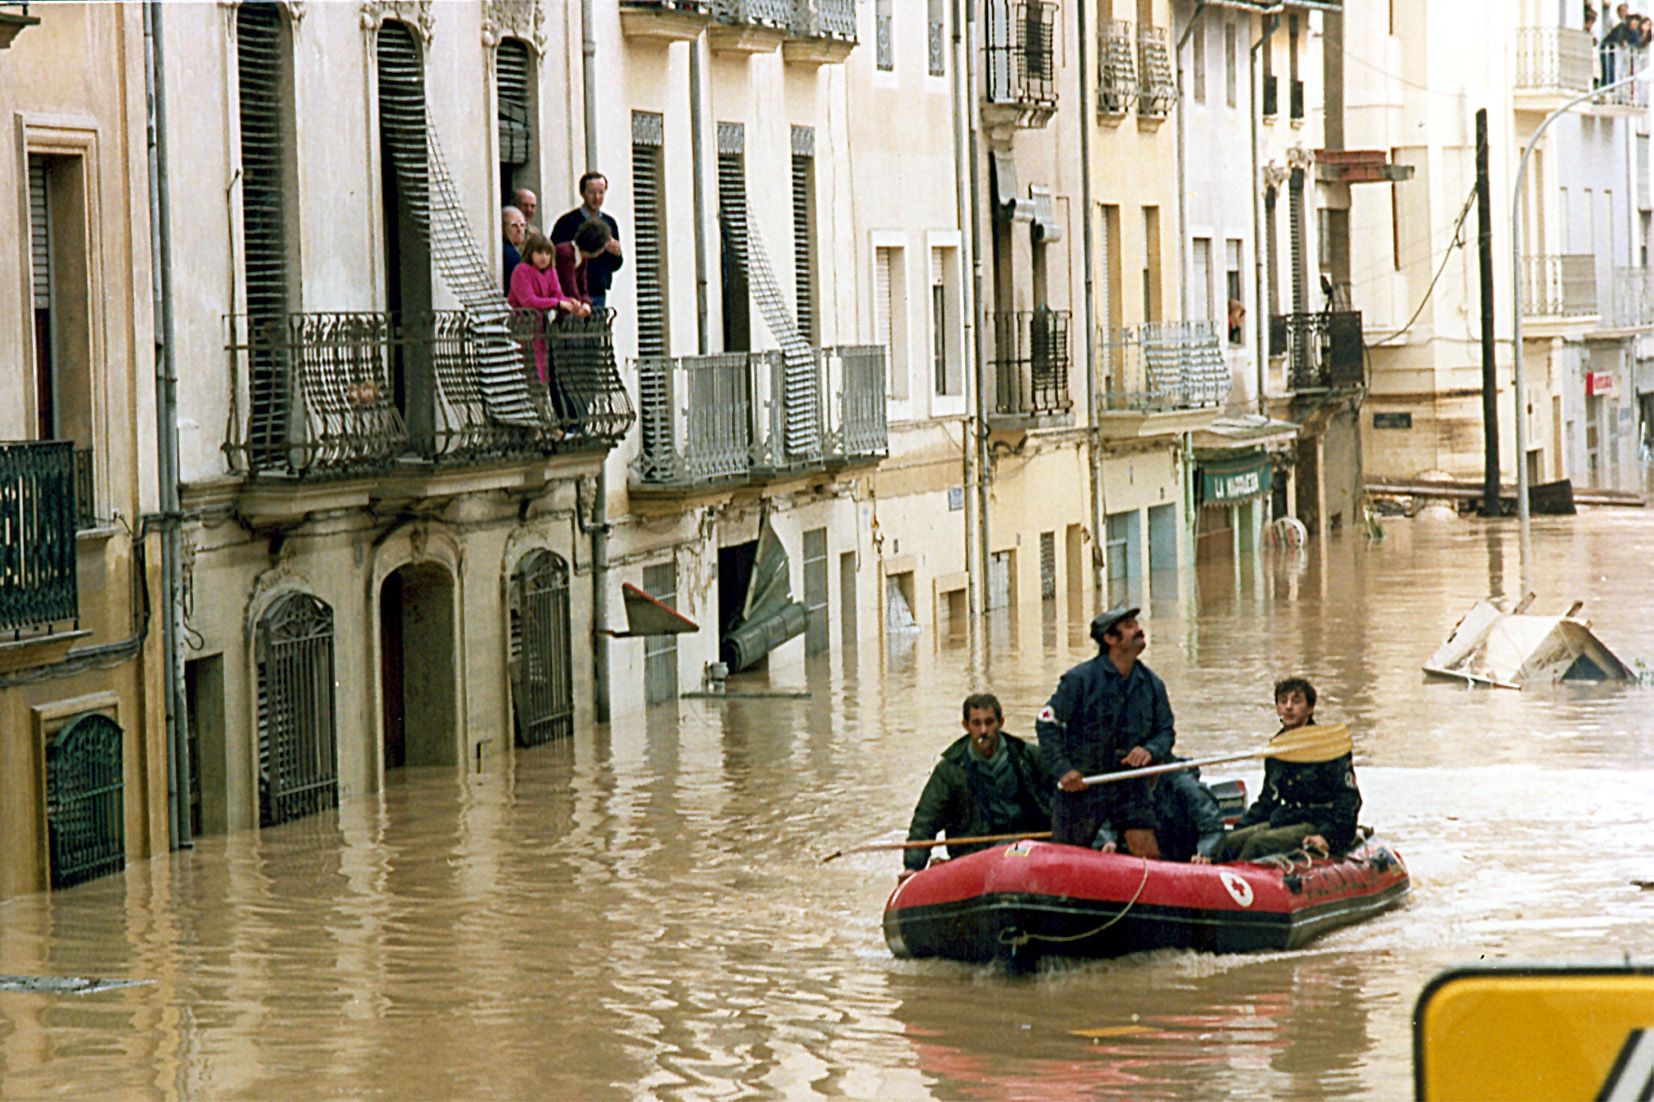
(40, 236)
(803, 142)
(648, 239)
(512, 75)
(881, 300)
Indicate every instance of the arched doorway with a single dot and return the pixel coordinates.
(416, 666)
(542, 670)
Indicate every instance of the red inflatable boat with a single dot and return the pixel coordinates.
(1019, 902)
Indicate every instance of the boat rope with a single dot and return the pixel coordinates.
(1017, 938)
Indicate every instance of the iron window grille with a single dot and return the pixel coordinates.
(542, 666)
(298, 755)
(1022, 52)
(39, 577)
(1031, 361)
(85, 792)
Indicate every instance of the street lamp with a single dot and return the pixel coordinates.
(1516, 313)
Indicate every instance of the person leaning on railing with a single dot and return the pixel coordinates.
(574, 258)
(535, 286)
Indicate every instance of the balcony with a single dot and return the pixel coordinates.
(1156, 85)
(745, 418)
(664, 21)
(1117, 78)
(1160, 378)
(1553, 64)
(1631, 304)
(1323, 351)
(1022, 63)
(823, 32)
(1030, 363)
(1559, 287)
(1616, 63)
(749, 26)
(38, 575)
(353, 395)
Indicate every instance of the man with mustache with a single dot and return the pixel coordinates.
(1108, 714)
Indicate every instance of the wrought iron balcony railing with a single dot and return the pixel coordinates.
(1031, 358)
(1022, 60)
(834, 19)
(1615, 63)
(1156, 84)
(1632, 305)
(351, 393)
(754, 13)
(1559, 286)
(1322, 351)
(1552, 59)
(688, 7)
(1117, 76)
(737, 416)
(1163, 366)
(38, 575)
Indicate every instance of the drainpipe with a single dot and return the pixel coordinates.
(979, 367)
(1088, 238)
(600, 504)
(964, 208)
(1271, 20)
(166, 436)
(697, 188)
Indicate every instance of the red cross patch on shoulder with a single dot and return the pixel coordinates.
(1047, 714)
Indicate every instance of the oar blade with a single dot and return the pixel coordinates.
(1314, 743)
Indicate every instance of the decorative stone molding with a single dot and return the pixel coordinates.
(295, 10)
(418, 14)
(1299, 157)
(1274, 175)
(270, 586)
(522, 19)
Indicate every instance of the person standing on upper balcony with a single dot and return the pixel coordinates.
(594, 186)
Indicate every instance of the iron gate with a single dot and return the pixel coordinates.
(298, 750)
(542, 667)
(85, 811)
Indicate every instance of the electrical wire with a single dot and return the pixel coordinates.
(1457, 243)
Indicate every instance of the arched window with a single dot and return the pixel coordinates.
(542, 670)
(85, 812)
(298, 749)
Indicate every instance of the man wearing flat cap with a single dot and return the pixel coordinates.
(1108, 714)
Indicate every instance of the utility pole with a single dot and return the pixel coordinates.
(1490, 376)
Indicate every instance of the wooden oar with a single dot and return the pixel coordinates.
(1312, 743)
(981, 839)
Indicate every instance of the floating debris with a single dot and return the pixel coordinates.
(65, 985)
(1507, 650)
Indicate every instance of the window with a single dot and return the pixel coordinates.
(1272, 259)
(1234, 290)
(1295, 86)
(804, 230)
(883, 33)
(267, 181)
(298, 755)
(660, 652)
(514, 88)
(817, 629)
(85, 819)
(890, 313)
(1197, 44)
(936, 43)
(648, 233)
(1047, 566)
(542, 648)
(732, 223)
(1151, 263)
(405, 195)
(1231, 63)
(1200, 280)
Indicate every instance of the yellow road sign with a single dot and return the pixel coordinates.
(1536, 1033)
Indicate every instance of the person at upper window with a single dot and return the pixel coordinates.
(534, 286)
(594, 186)
(574, 259)
(516, 232)
(527, 202)
(1311, 805)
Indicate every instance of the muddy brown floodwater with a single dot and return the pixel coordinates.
(643, 911)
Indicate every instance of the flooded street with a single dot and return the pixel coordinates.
(644, 912)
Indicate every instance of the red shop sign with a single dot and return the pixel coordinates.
(1599, 382)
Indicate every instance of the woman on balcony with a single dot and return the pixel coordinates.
(535, 286)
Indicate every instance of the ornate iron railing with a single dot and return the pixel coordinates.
(38, 576)
(1031, 358)
(788, 428)
(1552, 59)
(361, 390)
(86, 506)
(1022, 62)
(1615, 63)
(1117, 69)
(1559, 286)
(1156, 85)
(835, 19)
(298, 744)
(1162, 366)
(1633, 299)
(1322, 350)
(760, 13)
(85, 787)
(696, 419)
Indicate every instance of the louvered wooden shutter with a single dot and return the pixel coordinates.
(648, 137)
(40, 236)
(804, 247)
(881, 299)
(512, 75)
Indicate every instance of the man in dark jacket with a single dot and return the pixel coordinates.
(1108, 714)
(594, 186)
(987, 782)
(1312, 805)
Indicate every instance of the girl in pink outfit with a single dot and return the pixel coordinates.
(534, 286)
